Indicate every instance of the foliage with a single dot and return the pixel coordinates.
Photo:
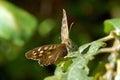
(21, 31)
(111, 25)
(16, 27)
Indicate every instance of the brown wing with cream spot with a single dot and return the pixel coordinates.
(47, 54)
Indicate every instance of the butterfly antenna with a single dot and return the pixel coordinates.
(71, 26)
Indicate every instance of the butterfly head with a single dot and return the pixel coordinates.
(68, 44)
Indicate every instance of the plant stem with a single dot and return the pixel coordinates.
(109, 37)
(106, 50)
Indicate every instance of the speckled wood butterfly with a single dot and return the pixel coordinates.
(49, 54)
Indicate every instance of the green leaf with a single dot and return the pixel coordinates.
(94, 47)
(61, 76)
(77, 70)
(58, 70)
(16, 24)
(83, 49)
(57, 77)
(112, 24)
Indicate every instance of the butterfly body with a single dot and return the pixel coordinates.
(49, 54)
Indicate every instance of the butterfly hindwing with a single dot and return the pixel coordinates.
(47, 54)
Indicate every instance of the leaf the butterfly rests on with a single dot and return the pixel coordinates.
(49, 54)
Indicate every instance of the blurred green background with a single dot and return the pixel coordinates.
(26, 24)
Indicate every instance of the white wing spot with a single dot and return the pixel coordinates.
(45, 48)
(49, 56)
(39, 49)
(51, 47)
(54, 46)
(34, 53)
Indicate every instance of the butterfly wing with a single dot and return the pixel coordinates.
(65, 32)
(64, 28)
(47, 54)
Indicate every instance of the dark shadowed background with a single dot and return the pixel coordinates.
(26, 24)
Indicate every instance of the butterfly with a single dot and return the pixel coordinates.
(49, 54)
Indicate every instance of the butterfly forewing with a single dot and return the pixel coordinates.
(64, 28)
(47, 54)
